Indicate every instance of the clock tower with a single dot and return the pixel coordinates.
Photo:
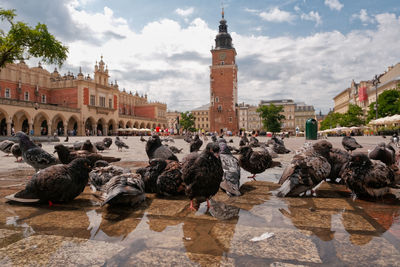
(223, 83)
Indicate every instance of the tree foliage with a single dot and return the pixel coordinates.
(331, 120)
(271, 117)
(388, 104)
(353, 117)
(187, 121)
(22, 42)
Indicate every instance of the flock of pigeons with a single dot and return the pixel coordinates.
(200, 174)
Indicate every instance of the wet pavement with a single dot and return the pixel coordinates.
(255, 229)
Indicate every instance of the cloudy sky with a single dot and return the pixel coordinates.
(306, 50)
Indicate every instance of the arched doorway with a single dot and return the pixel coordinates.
(148, 126)
(120, 124)
(101, 127)
(60, 128)
(142, 125)
(58, 125)
(89, 126)
(111, 124)
(40, 122)
(21, 121)
(72, 126)
(3, 127)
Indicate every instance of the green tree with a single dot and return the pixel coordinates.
(353, 117)
(22, 42)
(271, 117)
(187, 121)
(388, 104)
(331, 120)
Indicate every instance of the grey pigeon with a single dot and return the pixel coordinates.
(57, 183)
(99, 176)
(107, 141)
(231, 179)
(88, 146)
(350, 144)
(16, 151)
(124, 189)
(174, 149)
(5, 146)
(154, 149)
(120, 144)
(337, 158)
(306, 171)
(384, 153)
(34, 155)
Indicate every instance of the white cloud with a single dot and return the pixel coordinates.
(312, 16)
(277, 15)
(334, 4)
(363, 17)
(184, 12)
(170, 61)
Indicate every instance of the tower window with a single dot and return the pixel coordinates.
(7, 93)
(110, 103)
(219, 108)
(92, 100)
(216, 99)
(43, 98)
(26, 96)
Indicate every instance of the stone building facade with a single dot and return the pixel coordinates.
(289, 107)
(202, 118)
(364, 93)
(302, 113)
(223, 83)
(35, 100)
(249, 118)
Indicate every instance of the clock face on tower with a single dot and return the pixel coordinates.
(222, 56)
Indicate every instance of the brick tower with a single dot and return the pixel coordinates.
(223, 83)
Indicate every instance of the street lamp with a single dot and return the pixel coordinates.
(375, 82)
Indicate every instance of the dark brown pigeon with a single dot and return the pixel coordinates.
(16, 151)
(366, 177)
(88, 146)
(337, 158)
(154, 149)
(384, 153)
(306, 170)
(66, 156)
(195, 144)
(202, 174)
(58, 183)
(99, 176)
(120, 144)
(255, 161)
(150, 174)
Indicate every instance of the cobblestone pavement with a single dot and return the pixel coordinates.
(330, 229)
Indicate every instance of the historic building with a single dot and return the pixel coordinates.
(36, 101)
(249, 118)
(302, 113)
(364, 93)
(173, 118)
(223, 83)
(289, 106)
(202, 118)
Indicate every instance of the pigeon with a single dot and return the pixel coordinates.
(107, 142)
(306, 171)
(66, 156)
(16, 151)
(170, 182)
(34, 155)
(120, 144)
(254, 142)
(101, 163)
(66, 139)
(124, 189)
(230, 140)
(77, 145)
(88, 146)
(142, 139)
(349, 143)
(278, 145)
(99, 176)
(255, 161)
(196, 143)
(337, 158)
(150, 174)
(5, 146)
(367, 177)
(175, 150)
(202, 174)
(231, 178)
(155, 149)
(214, 138)
(100, 146)
(384, 153)
(57, 183)
(188, 137)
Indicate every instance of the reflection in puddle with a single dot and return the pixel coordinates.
(14, 221)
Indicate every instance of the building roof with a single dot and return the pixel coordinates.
(204, 107)
(345, 90)
(277, 101)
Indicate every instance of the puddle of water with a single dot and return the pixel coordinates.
(322, 230)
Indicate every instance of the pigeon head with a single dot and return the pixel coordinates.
(213, 148)
(244, 150)
(154, 140)
(101, 163)
(159, 164)
(323, 147)
(214, 138)
(62, 152)
(360, 159)
(224, 148)
(25, 142)
(82, 165)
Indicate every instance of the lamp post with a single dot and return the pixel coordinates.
(375, 82)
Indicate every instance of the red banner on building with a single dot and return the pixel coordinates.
(362, 94)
